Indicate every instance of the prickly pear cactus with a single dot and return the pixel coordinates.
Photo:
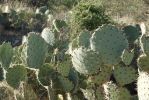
(84, 39)
(125, 75)
(36, 51)
(142, 86)
(103, 76)
(132, 32)
(64, 67)
(143, 63)
(6, 54)
(45, 74)
(63, 84)
(124, 94)
(127, 56)
(99, 92)
(145, 43)
(48, 36)
(15, 75)
(86, 61)
(110, 42)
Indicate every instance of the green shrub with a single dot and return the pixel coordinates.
(89, 16)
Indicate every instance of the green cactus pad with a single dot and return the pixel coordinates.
(36, 51)
(6, 54)
(143, 63)
(84, 39)
(103, 76)
(143, 86)
(124, 94)
(132, 32)
(100, 94)
(86, 61)
(64, 67)
(45, 74)
(125, 75)
(145, 42)
(127, 56)
(15, 75)
(63, 84)
(110, 42)
(48, 36)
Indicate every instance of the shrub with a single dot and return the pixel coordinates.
(89, 16)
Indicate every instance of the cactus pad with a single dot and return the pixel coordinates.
(125, 75)
(84, 39)
(145, 42)
(62, 83)
(124, 94)
(143, 63)
(64, 67)
(86, 61)
(132, 32)
(36, 51)
(110, 42)
(127, 56)
(45, 74)
(15, 75)
(48, 36)
(6, 54)
(103, 76)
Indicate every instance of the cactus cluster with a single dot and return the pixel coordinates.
(100, 63)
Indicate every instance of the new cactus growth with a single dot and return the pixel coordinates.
(110, 42)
